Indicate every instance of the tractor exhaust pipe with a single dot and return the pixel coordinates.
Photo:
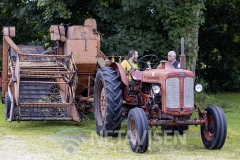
(182, 56)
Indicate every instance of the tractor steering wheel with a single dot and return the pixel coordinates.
(146, 60)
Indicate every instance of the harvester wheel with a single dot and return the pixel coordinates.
(138, 130)
(7, 105)
(107, 102)
(214, 134)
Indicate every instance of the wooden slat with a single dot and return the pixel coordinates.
(45, 104)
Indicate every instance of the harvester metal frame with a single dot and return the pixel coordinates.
(69, 71)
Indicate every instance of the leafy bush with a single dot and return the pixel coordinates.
(204, 100)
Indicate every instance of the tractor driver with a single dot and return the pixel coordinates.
(131, 62)
(172, 59)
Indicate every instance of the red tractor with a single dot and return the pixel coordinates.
(157, 95)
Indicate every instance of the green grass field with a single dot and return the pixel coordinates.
(72, 140)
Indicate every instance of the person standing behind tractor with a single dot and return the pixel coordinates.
(172, 59)
(131, 62)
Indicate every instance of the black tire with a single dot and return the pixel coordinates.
(214, 134)
(137, 125)
(107, 102)
(7, 105)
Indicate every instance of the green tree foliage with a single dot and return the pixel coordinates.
(219, 41)
(26, 17)
(153, 26)
(150, 26)
(33, 18)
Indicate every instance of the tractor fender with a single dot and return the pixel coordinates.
(121, 72)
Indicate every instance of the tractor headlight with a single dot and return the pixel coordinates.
(198, 88)
(155, 89)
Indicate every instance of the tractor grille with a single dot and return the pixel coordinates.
(188, 92)
(172, 93)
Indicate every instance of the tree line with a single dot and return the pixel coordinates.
(210, 29)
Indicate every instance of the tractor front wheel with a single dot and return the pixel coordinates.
(214, 133)
(138, 130)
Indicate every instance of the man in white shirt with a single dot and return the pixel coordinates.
(172, 59)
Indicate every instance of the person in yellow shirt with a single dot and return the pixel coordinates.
(131, 62)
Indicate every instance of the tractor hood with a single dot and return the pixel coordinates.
(156, 75)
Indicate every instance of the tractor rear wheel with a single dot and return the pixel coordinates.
(214, 134)
(138, 130)
(107, 102)
(7, 105)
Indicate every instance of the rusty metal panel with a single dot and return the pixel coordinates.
(57, 33)
(9, 31)
(84, 51)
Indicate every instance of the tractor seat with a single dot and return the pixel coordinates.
(136, 75)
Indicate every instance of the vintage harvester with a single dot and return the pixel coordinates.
(53, 84)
